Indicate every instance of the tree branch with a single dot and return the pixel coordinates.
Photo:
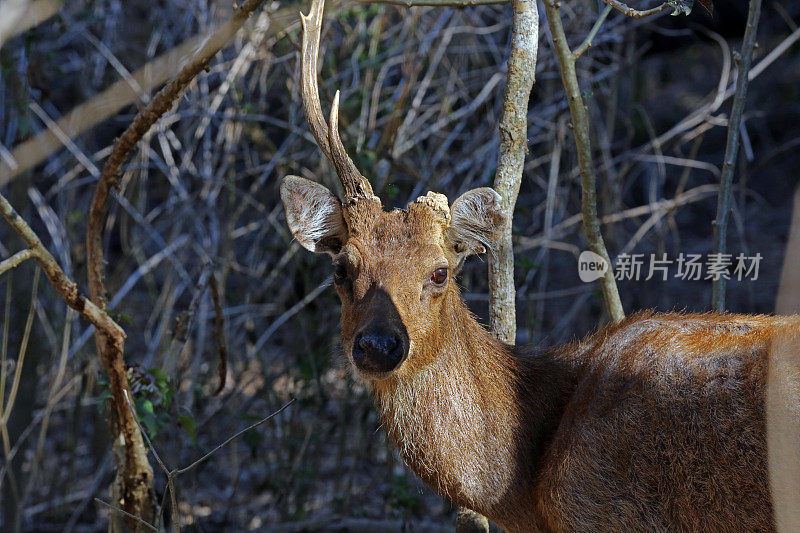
(593, 33)
(121, 94)
(732, 148)
(511, 158)
(580, 129)
(65, 287)
(133, 485)
(15, 260)
(232, 438)
(636, 13)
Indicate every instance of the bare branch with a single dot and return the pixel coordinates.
(636, 13)
(120, 94)
(219, 327)
(732, 148)
(580, 129)
(593, 33)
(234, 437)
(65, 287)
(15, 260)
(21, 15)
(511, 159)
(134, 474)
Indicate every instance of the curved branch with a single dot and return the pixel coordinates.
(133, 484)
(65, 287)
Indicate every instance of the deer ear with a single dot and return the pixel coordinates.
(476, 222)
(314, 215)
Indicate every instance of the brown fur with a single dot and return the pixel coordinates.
(653, 424)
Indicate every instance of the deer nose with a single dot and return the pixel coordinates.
(374, 353)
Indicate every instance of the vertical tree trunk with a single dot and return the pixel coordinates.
(511, 159)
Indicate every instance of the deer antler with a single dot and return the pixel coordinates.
(355, 185)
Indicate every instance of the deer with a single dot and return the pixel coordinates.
(655, 423)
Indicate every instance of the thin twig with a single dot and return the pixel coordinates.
(702, 114)
(593, 33)
(15, 260)
(7, 404)
(172, 473)
(126, 513)
(234, 437)
(636, 13)
(296, 308)
(732, 149)
(29, 429)
(693, 195)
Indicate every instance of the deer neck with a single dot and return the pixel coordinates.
(473, 420)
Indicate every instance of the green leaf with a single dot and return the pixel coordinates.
(163, 385)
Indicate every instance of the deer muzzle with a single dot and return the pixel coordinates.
(382, 344)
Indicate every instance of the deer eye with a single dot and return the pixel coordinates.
(339, 273)
(439, 276)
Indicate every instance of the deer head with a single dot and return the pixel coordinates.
(394, 271)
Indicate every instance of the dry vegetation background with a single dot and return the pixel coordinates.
(199, 200)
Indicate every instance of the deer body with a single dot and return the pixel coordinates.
(654, 424)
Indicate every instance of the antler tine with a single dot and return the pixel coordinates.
(355, 185)
(328, 139)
